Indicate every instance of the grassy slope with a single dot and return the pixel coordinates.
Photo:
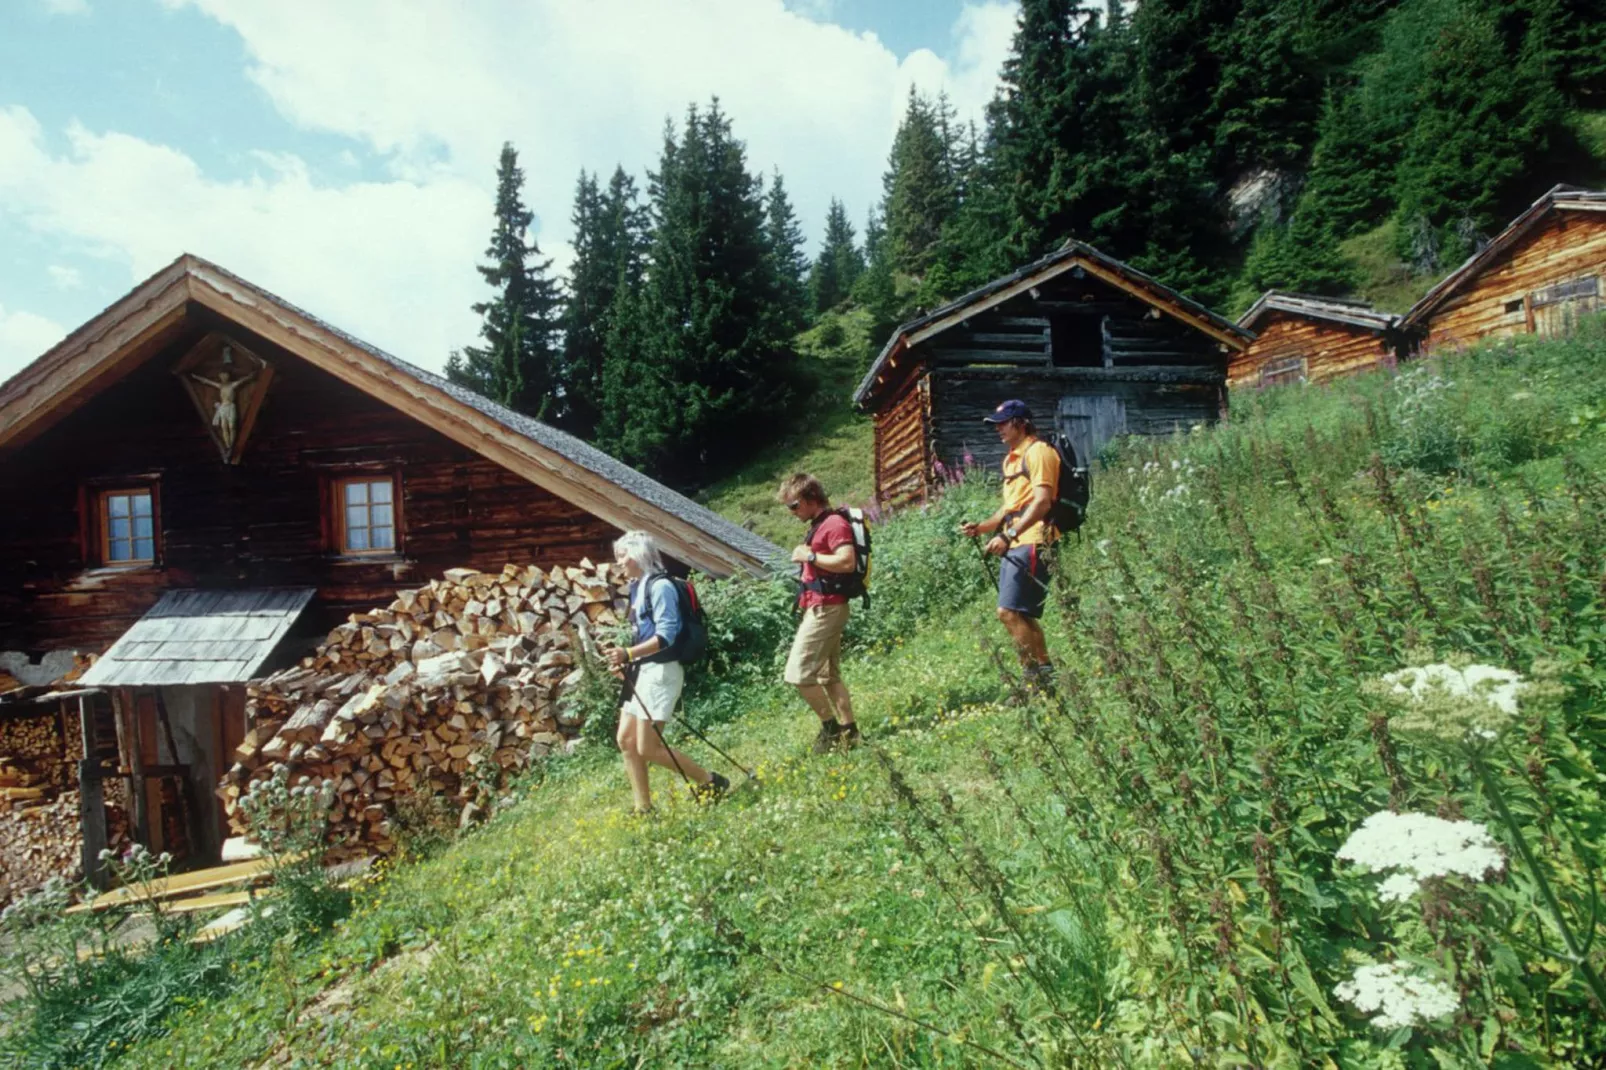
(834, 444)
(564, 932)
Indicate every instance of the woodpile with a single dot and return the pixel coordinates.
(436, 694)
(43, 840)
(36, 758)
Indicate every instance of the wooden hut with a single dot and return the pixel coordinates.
(204, 475)
(1095, 347)
(1301, 339)
(1538, 276)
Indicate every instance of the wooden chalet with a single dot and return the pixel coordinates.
(1301, 339)
(1538, 276)
(204, 477)
(1096, 348)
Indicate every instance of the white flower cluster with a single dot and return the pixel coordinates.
(1396, 997)
(136, 856)
(1417, 392)
(1161, 485)
(1458, 700)
(1420, 846)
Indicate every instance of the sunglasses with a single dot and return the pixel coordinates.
(792, 505)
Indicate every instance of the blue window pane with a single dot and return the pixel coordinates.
(356, 516)
(383, 538)
(117, 505)
(357, 538)
(381, 516)
(144, 550)
(143, 527)
(356, 494)
(142, 504)
(380, 490)
(119, 529)
(119, 551)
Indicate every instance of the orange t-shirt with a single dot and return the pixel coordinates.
(1034, 463)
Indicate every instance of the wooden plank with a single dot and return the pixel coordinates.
(200, 880)
(215, 901)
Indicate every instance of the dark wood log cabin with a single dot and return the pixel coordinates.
(1093, 346)
(1538, 276)
(1301, 339)
(203, 452)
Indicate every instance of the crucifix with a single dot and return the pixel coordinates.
(226, 413)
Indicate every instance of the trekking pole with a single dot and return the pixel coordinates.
(986, 562)
(687, 725)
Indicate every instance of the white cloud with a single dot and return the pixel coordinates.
(67, 7)
(435, 87)
(65, 278)
(23, 337)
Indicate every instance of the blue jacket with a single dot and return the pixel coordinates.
(658, 613)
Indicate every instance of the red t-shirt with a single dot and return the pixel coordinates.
(828, 536)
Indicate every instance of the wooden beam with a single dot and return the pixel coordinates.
(1171, 308)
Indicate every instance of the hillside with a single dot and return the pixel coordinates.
(1141, 873)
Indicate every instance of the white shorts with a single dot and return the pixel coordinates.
(658, 685)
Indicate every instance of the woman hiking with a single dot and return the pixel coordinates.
(657, 677)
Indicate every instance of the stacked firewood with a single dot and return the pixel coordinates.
(435, 694)
(36, 760)
(44, 840)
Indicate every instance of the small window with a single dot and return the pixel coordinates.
(367, 512)
(127, 527)
(1514, 306)
(1288, 370)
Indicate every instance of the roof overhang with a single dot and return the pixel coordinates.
(1348, 313)
(200, 637)
(130, 331)
(1072, 256)
(1557, 199)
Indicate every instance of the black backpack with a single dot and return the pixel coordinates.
(855, 584)
(692, 642)
(1069, 512)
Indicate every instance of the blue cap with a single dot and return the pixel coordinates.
(1013, 409)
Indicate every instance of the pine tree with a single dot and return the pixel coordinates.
(790, 265)
(609, 238)
(700, 367)
(919, 184)
(516, 364)
(876, 289)
(839, 264)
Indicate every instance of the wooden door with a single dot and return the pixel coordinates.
(1090, 421)
(1557, 309)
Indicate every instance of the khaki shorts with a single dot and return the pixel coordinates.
(817, 648)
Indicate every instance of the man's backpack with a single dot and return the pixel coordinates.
(855, 584)
(1069, 511)
(692, 642)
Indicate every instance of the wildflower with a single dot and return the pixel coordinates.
(1455, 700)
(1420, 846)
(1400, 998)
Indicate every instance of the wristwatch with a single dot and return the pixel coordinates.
(1010, 533)
(813, 557)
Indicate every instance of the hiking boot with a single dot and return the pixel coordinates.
(1039, 679)
(848, 737)
(826, 741)
(713, 791)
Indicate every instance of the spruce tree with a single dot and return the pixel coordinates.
(609, 235)
(700, 367)
(876, 289)
(516, 364)
(787, 259)
(919, 184)
(839, 264)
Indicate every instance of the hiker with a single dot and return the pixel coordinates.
(829, 561)
(1023, 539)
(657, 675)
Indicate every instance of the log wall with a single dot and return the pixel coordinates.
(903, 445)
(1328, 349)
(262, 522)
(1500, 300)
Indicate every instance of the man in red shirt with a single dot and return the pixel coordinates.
(814, 665)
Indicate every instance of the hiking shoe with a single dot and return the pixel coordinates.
(1039, 679)
(826, 741)
(713, 791)
(848, 737)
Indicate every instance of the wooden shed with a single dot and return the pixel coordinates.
(1538, 276)
(1300, 339)
(1095, 347)
(204, 476)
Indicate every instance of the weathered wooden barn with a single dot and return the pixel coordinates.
(1095, 347)
(1301, 339)
(1538, 276)
(204, 476)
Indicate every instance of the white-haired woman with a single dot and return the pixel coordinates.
(655, 615)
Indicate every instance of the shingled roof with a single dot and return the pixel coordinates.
(580, 473)
(1072, 254)
(1557, 198)
(1331, 309)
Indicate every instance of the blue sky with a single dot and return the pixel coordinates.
(343, 154)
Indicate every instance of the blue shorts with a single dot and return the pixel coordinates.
(1023, 580)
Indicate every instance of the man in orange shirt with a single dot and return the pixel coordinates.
(1023, 538)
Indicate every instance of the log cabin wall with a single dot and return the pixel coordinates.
(263, 522)
(1313, 350)
(903, 444)
(1524, 292)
